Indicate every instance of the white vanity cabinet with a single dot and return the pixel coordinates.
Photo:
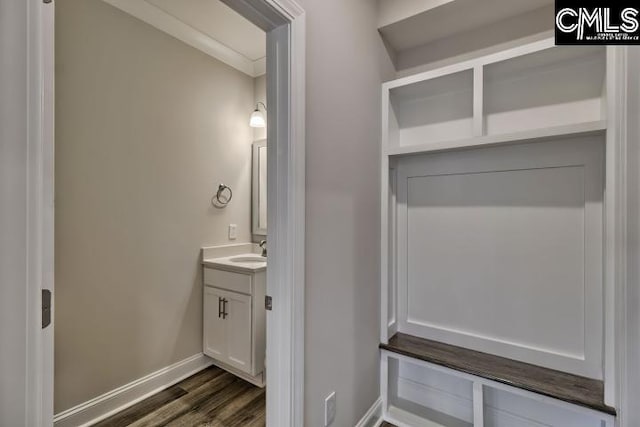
(227, 327)
(234, 321)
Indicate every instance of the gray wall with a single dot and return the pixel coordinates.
(344, 55)
(146, 127)
(13, 199)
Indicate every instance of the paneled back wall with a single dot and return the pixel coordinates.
(500, 250)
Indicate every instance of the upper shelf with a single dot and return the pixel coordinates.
(540, 135)
(553, 87)
(439, 109)
(534, 91)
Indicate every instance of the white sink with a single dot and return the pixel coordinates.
(250, 258)
(248, 262)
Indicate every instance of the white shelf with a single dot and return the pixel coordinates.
(435, 109)
(549, 88)
(428, 398)
(533, 91)
(558, 132)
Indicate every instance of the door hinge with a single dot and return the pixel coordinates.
(46, 308)
(268, 303)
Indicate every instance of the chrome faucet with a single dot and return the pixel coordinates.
(263, 245)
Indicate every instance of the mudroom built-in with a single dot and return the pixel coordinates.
(495, 281)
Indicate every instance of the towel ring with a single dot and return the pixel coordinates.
(220, 200)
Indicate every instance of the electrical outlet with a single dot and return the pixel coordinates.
(330, 409)
(233, 231)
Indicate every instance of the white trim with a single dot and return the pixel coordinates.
(286, 330)
(373, 417)
(40, 267)
(171, 25)
(260, 67)
(478, 101)
(48, 195)
(114, 401)
(384, 383)
(385, 285)
(628, 357)
(613, 203)
(537, 135)
(616, 371)
(478, 404)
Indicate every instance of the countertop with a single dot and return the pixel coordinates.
(226, 263)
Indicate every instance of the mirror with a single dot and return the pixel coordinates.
(259, 188)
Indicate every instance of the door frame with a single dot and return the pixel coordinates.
(40, 211)
(284, 23)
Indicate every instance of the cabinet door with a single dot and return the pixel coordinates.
(215, 326)
(238, 324)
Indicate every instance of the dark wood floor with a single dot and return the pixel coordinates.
(210, 398)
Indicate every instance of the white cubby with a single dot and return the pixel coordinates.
(505, 409)
(553, 87)
(423, 396)
(439, 109)
(533, 92)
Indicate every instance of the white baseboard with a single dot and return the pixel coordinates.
(373, 417)
(114, 401)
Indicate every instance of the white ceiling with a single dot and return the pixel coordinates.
(208, 25)
(218, 21)
(433, 20)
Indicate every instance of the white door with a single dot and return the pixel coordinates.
(215, 329)
(518, 231)
(26, 226)
(237, 310)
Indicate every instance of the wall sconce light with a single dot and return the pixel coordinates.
(257, 118)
